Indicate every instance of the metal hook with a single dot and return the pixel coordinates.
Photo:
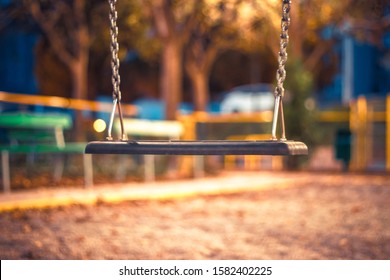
(275, 118)
(278, 108)
(109, 131)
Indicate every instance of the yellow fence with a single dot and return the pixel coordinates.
(249, 162)
(364, 118)
(370, 126)
(61, 102)
(253, 162)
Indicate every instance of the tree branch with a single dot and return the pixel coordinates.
(47, 23)
(162, 20)
(315, 56)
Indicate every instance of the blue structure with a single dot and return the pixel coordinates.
(364, 70)
(17, 61)
(17, 58)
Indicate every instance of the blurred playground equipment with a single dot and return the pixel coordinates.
(192, 131)
(370, 128)
(253, 162)
(34, 134)
(360, 134)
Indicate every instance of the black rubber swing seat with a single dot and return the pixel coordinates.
(205, 147)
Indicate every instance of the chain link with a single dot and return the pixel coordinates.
(282, 59)
(116, 79)
(114, 46)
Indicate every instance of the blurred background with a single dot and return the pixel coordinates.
(196, 69)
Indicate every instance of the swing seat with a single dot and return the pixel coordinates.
(205, 147)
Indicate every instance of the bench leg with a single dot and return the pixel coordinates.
(58, 168)
(120, 174)
(198, 166)
(149, 168)
(88, 170)
(5, 171)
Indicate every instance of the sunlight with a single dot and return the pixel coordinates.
(99, 125)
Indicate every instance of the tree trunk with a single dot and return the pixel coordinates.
(79, 74)
(79, 78)
(201, 90)
(171, 76)
(198, 66)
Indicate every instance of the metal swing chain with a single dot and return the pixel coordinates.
(281, 71)
(116, 79)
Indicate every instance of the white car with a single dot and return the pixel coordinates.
(248, 99)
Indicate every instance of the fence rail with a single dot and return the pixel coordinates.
(362, 115)
(62, 102)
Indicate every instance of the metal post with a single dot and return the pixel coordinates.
(347, 70)
(361, 128)
(149, 168)
(58, 167)
(5, 171)
(88, 170)
(198, 166)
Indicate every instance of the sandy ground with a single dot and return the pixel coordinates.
(323, 216)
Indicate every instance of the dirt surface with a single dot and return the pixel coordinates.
(325, 216)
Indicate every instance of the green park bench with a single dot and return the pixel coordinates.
(26, 133)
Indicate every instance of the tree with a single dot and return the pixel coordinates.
(253, 26)
(309, 44)
(309, 19)
(368, 20)
(200, 31)
(221, 26)
(65, 28)
(172, 21)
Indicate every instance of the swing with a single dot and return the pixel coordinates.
(273, 146)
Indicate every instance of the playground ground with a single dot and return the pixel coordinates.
(236, 215)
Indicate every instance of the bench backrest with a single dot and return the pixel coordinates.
(27, 128)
